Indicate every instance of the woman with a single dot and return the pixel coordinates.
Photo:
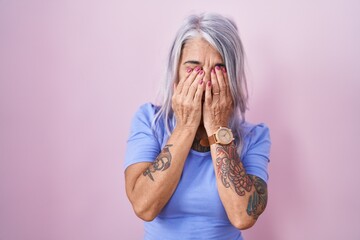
(194, 168)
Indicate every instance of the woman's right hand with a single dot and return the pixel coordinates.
(187, 98)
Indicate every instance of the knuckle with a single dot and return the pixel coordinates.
(186, 85)
(186, 104)
(176, 97)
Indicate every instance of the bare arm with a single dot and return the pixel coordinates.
(243, 196)
(149, 186)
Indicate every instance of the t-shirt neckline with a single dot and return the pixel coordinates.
(200, 153)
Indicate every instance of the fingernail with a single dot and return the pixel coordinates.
(201, 72)
(212, 70)
(197, 69)
(201, 81)
(223, 69)
(209, 83)
(188, 70)
(217, 67)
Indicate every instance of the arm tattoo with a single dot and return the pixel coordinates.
(231, 170)
(161, 163)
(258, 200)
(232, 173)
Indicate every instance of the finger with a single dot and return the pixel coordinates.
(227, 82)
(208, 96)
(194, 86)
(182, 81)
(191, 78)
(221, 81)
(199, 91)
(225, 76)
(214, 84)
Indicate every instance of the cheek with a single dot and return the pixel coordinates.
(181, 74)
(180, 77)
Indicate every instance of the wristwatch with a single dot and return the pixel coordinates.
(222, 136)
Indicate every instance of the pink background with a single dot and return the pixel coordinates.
(72, 74)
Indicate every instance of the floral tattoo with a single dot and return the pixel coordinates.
(161, 163)
(231, 170)
(232, 174)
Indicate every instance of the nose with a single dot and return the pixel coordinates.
(207, 74)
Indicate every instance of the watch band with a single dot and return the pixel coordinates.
(212, 139)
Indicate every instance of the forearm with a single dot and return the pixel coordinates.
(156, 184)
(244, 196)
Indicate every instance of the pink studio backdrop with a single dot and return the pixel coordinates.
(72, 74)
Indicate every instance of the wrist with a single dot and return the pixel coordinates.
(185, 129)
(212, 129)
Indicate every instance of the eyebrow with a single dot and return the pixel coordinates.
(192, 62)
(198, 63)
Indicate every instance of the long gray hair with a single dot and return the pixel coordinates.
(221, 32)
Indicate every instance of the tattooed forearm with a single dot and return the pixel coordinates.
(231, 170)
(233, 175)
(161, 163)
(258, 200)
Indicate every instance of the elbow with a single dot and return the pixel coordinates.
(144, 208)
(243, 222)
(145, 216)
(145, 213)
(243, 225)
(246, 219)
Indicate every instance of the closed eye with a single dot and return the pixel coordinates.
(220, 65)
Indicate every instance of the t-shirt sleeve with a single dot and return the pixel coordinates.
(257, 156)
(142, 145)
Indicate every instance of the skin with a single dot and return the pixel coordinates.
(149, 186)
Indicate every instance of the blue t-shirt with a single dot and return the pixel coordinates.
(195, 210)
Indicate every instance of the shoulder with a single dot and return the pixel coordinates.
(259, 130)
(145, 113)
(147, 109)
(146, 119)
(256, 138)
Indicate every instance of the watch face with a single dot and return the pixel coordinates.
(224, 136)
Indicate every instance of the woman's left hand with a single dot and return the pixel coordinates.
(218, 105)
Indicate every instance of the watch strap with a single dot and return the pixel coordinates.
(212, 139)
